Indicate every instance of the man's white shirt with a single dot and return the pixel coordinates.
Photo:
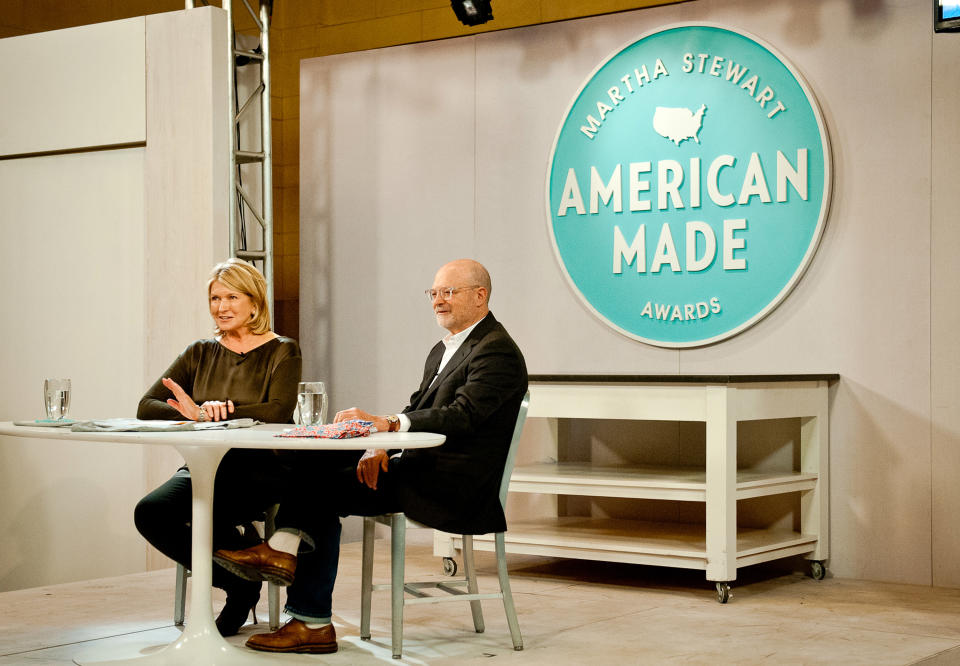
(452, 342)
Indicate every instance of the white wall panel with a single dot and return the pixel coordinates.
(75, 88)
(186, 176)
(73, 269)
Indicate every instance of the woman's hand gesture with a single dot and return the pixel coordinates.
(180, 401)
(212, 410)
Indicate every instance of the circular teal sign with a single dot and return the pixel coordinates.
(688, 185)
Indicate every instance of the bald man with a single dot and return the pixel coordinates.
(473, 382)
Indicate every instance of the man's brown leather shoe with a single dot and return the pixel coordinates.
(261, 562)
(295, 637)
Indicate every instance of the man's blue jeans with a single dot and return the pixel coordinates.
(315, 514)
(310, 598)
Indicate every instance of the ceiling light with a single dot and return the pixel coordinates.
(472, 12)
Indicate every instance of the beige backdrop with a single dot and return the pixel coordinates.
(414, 155)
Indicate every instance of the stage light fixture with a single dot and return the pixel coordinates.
(472, 12)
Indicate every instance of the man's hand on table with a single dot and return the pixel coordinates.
(379, 422)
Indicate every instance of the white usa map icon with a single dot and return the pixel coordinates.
(678, 124)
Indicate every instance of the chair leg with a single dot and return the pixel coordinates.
(471, 575)
(398, 536)
(273, 608)
(366, 577)
(273, 591)
(179, 595)
(508, 607)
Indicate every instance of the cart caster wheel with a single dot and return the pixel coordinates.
(817, 570)
(449, 566)
(723, 592)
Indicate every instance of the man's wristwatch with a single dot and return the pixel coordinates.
(202, 416)
(393, 423)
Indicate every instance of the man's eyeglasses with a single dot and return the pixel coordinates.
(446, 293)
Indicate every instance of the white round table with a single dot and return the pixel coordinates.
(202, 450)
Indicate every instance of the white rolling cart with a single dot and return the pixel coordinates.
(718, 547)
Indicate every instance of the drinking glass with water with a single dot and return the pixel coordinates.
(312, 402)
(56, 398)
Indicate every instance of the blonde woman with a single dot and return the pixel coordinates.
(244, 371)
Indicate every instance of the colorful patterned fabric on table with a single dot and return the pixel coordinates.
(342, 430)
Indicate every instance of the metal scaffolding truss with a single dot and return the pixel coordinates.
(250, 143)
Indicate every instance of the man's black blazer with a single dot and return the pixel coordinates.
(474, 402)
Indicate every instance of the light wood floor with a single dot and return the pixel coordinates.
(570, 613)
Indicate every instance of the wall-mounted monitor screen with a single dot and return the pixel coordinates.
(946, 15)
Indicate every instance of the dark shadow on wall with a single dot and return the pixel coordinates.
(945, 464)
(880, 486)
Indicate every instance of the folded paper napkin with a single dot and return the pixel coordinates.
(138, 425)
(342, 430)
(46, 423)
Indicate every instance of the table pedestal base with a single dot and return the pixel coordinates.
(200, 642)
(204, 648)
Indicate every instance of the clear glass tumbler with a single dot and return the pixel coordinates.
(312, 401)
(56, 398)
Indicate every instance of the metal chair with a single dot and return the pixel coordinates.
(397, 523)
(273, 591)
